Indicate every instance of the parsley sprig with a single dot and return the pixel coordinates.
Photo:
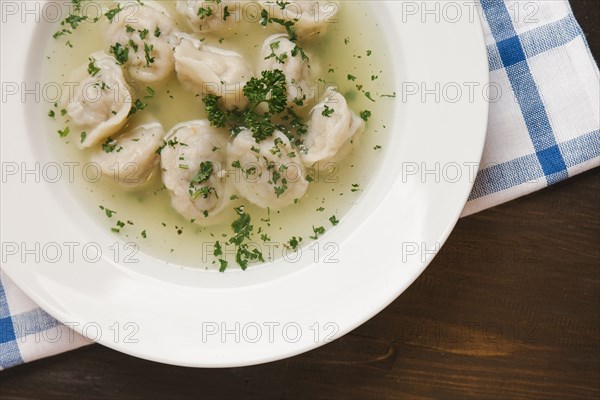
(271, 90)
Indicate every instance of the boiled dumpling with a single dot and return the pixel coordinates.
(217, 16)
(143, 42)
(131, 157)
(311, 17)
(210, 70)
(193, 171)
(270, 174)
(331, 129)
(278, 52)
(101, 101)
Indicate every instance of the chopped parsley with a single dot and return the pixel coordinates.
(138, 105)
(109, 213)
(334, 221)
(143, 33)
(63, 133)
(317, 231)
(242, 230)
(327, 112)
(226, 13)
(204, 12)
(112, 13)
(83, 136)
(215, 115)
(269, 89)
(120, 52)
(279, 190)
(206, 169)
(150, 91)
(222, 265)
(147, 51)
(92, 67)
(279, 58)
(294, 243)
(365, 115)
(351, 77)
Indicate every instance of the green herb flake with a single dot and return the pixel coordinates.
(147, 51)
(294, 243)
(206, 169)
(63, 133)
(92, 67)
(365, 115)
(327, 111)
(368, 95)
(143, 33)
(138, 105)
(109, 213)
(112, 13)
(317, 231)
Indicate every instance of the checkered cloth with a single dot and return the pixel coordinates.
(546, 130)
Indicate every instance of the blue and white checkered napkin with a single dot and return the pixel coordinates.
(543, 128)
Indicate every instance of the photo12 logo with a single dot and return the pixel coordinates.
(267, 332)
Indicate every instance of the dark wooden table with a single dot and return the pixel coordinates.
(510, 309)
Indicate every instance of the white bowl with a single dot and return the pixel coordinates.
(193, 318)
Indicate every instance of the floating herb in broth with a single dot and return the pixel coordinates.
(353, 60)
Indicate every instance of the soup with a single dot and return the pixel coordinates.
(354, 62)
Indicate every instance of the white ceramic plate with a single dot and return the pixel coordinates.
(195, 318)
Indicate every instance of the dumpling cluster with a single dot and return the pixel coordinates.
(203, 165)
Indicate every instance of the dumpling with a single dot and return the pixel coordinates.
(217, 16)
(101, 101)
(330, 131)
(143, 41)
(209, 70)
(278, 52)
(131, 158)
(270, 174)
(311, 17)
(194, 173)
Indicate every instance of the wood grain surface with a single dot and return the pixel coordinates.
(510, 309)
